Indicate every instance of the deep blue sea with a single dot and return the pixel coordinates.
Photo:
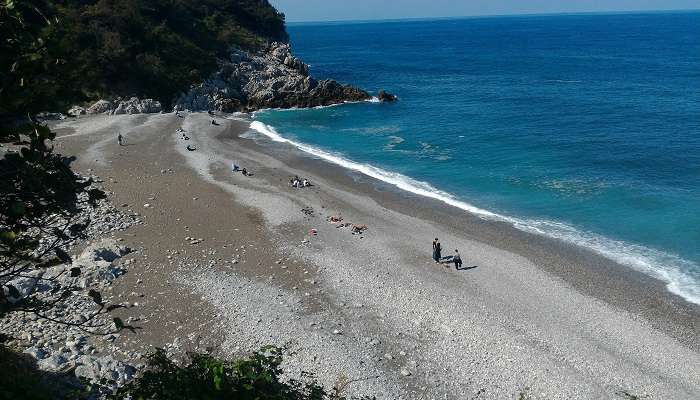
(581, 127)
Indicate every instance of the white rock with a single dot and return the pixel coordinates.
(100, 107)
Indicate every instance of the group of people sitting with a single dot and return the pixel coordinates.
(437, 255)
(297, 182)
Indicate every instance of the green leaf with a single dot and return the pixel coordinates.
(8, 236)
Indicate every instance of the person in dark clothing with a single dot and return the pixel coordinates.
(457, 260)
(437, 249)
(120, 139)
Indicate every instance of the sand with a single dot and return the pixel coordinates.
(371, 313)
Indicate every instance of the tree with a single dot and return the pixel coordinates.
(40, 197)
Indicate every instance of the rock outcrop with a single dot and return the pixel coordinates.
(386, 97)
(63, 348)
(137, 106)
(100, 107)
(133, 105)
(77, 111)
(272, 78)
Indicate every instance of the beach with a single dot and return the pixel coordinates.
(228, 263)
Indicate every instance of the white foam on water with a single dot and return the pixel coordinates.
(681, 276)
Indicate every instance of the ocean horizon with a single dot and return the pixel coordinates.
(479, 16)
(579, 127)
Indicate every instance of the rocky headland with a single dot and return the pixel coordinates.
(247, 80)
(269, 78)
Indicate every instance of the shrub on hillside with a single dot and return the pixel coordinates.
(207, 378)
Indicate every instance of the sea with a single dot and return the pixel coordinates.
(580, 127)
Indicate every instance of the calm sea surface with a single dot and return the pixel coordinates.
(581, 127)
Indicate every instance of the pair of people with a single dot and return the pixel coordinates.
(296, 182)
(236, 168)
(437, 254)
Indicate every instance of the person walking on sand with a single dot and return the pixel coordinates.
(120, 139)
(457, 260)
(437, 249)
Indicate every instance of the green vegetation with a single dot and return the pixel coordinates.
(75, 51)
(39, 194)
(207, 378)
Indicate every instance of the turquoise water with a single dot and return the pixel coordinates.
(581, 127)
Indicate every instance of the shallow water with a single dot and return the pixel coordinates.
(580, 127)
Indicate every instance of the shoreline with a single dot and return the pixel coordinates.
(580, 239)
(529, 316)
(584, 269)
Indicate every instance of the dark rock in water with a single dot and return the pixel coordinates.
(271, 78)
(386, 97)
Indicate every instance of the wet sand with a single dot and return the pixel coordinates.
(534, 316)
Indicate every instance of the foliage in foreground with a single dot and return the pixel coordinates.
(208, 378)
(40, 196)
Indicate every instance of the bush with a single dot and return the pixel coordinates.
(208, 378)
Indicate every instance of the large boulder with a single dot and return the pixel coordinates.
(23, 286)
(77, 111)
(96, 369)
(100, 107)
(385, 97)
(96, 262)
(49, 116)
(135, 105)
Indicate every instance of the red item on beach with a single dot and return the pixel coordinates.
(313, 232)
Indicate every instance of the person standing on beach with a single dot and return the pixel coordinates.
(437, 249)
(457, 259)
(120, 139)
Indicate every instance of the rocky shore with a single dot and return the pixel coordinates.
(246, 81)
(82, 346)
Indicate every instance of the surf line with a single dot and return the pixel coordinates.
(669, 268)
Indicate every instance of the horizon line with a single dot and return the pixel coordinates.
(434, 18)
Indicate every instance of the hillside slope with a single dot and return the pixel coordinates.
(76, 51)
